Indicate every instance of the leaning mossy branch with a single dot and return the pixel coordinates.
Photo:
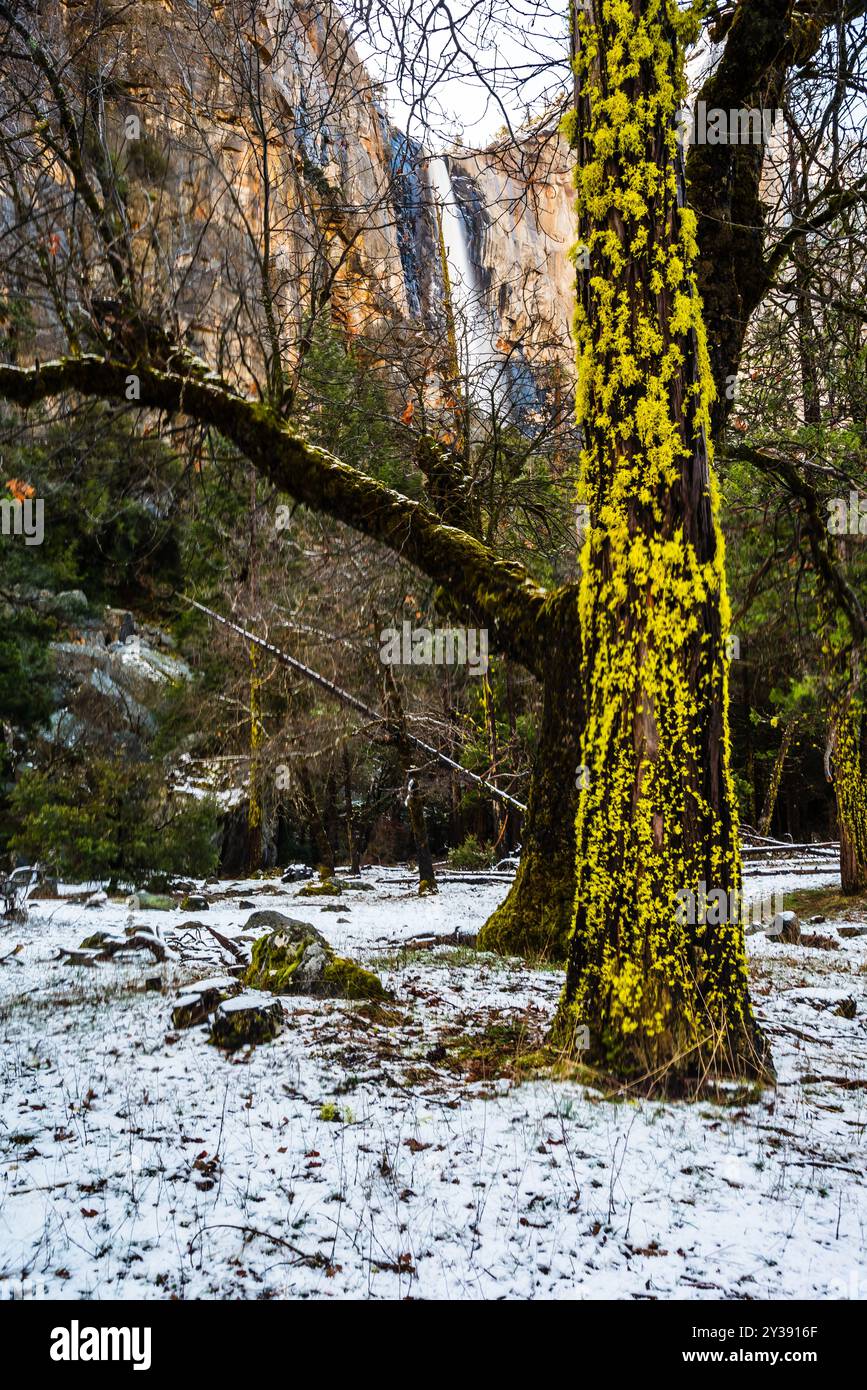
(499, 592)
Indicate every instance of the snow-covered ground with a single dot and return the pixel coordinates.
(136, 1161)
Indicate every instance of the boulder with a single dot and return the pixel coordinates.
(71, 603)
(294, 873)
(269, 920)
(252, 1017)
(294, 958)
(150, 902)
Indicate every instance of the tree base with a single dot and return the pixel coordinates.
(535, 919)
(666, 1065)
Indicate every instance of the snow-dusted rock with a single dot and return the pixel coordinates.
(786, 928)
(200, 999)
(252, 1017)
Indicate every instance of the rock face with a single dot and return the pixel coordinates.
(518, 205)
(351, 199)
(294, 958)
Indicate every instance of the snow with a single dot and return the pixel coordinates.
(140, 1162)
(250, 999)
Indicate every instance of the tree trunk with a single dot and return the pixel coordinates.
(749, 748)
(536, 916)
(776, 777)
(330, 815)
(414, 800)
(318, 833)
(807, 336)
(849, 754)
(415, 809)
(498, 810)
(657, 997)
(351, 840)
(255, 808)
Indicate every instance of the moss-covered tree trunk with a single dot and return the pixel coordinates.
(535, 918)
(849, 756)
(662, 997)
(773, 792)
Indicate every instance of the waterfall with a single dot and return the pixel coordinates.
(478, 359)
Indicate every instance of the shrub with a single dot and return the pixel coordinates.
(471, 855)
(111, 819)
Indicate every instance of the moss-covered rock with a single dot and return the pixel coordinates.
(347, 980)
(280, 953)
(97, 940)
(294, 958)
(150, 902)
(253, 1017)
(326, 888)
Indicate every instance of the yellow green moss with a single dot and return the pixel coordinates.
(275, 959)
(273, 963)
(655, 817)
(348, 980)
(850, 786)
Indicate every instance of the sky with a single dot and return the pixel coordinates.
(455, 71)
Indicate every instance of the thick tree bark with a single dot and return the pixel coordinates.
(724, 187)
(664, 1000)
(764, 41)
